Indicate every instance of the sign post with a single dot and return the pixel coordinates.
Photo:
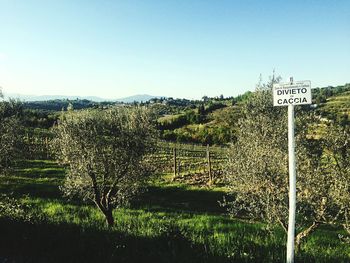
(292, 185)
(290, 94)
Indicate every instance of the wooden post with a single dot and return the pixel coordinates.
(174, 159)
(47, 147)
(209, 166)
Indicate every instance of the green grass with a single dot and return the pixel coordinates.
(169, 223)
(338, 104)
(36, 178)
(168, 118)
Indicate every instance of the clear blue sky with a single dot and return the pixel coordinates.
(178, 48)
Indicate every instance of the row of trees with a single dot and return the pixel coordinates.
(320, 95)
(10, 132)
(105, 155)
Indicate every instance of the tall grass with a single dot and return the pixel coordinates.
(170, 223)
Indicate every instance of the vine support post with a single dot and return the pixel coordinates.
(209, 166)
(174, 163)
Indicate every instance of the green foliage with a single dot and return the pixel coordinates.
(12, 209)
(320, 95)
(256, 179)
(38, 118)
(214, 106)
(201, 126)
(220, 116)
(200, 134)
(333, 103)
(172, 223)
(337, 152)
(242, 98)
(104, 151)
(180, 120)
(10, 133)
(186, 125)
(258, 167)
(62, 104)
(167, 224)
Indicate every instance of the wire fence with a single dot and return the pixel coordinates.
(190, 163)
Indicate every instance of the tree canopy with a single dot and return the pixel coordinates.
(104, 151)
(10, 132)
(257, 170)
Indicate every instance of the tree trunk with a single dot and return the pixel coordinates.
(302, 235)
(109, 218)
(107, 212)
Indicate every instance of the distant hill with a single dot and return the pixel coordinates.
(137, 98)
(51, 97)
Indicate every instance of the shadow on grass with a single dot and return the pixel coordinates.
(18, 187)
(35, 178)
(29, 242)
(180, 199)
(50, 243)
(42, 178)
(39, 169)
(37, 164)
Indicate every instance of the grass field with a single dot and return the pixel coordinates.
(337, 105)
(168, 223)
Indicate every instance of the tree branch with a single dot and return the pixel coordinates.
(284, 226)
(305, 233)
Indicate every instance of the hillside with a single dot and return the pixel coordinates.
(207, 121)
(213, 121)
(336, 107)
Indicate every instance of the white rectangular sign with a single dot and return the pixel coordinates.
(296, 93)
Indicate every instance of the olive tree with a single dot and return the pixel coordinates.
(337, 151)
(10, 142)
(104, 151)
(10, 132)
(257, 170)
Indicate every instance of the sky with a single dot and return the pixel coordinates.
(174, 48)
